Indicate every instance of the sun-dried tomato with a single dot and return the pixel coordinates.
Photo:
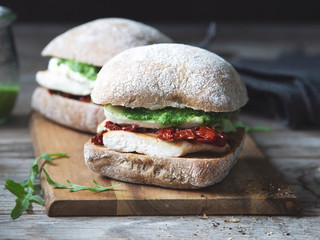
(86, 98)
(166, 133)
(205, 134)
(124, 127)
(183, 134)
(97, 139)
(110, 126)
(202, 133)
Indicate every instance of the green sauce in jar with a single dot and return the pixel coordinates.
(8, 95)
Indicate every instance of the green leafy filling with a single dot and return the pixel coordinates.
(75, 187)
(175, 116)
(256, 128)
(86, 70)
(25, 190)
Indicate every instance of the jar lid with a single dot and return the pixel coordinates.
(7, 16)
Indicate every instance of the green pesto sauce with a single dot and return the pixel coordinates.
(8, 95)
(175, 116)
(84, 69)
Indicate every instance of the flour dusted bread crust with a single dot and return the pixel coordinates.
(188, 172)
(93, 43)
(68, 112)
(96, 42)
(170, 74)
(158, 76)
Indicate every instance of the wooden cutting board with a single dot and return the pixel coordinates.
(253, 186)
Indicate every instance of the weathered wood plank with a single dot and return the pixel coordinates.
(290, 144)
(213, 227)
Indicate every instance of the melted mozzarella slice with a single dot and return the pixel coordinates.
(123, 120)
(61, 78)
(149, 144)
(115, 114)
(60, 82)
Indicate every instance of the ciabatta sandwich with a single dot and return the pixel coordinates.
(169, 110)
(76, 57)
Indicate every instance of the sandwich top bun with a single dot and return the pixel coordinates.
(170, 74)
(96, 42)
(76, 57)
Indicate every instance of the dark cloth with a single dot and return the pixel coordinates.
(287, 88)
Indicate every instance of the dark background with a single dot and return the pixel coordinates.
(196, 10)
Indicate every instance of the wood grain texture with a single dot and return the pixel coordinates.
(252, 187)
(162, 228)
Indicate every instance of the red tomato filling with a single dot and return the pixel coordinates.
(67, 95)
(202, 133)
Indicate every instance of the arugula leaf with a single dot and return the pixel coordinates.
(248, 128)
(22, 204)
(24, 183)
(15, 188)
(75, 188)
(37, 199)
(24, 191)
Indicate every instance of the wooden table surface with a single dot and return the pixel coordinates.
(295, 154)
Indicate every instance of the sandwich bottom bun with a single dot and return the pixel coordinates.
(68, 112)
(189, 172)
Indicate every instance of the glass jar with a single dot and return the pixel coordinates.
(9, 73)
